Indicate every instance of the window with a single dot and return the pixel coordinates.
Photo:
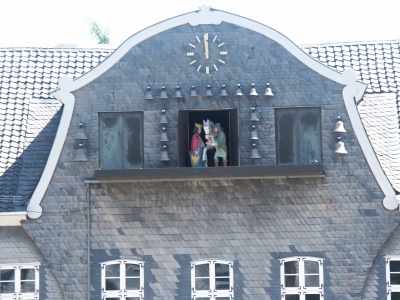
(212, 279)
(393, 277)
(228, 118)
(121, 140)
(122, 279)
(19, 282)
(298, 135)
(301, 278)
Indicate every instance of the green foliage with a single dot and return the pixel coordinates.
(101, 35)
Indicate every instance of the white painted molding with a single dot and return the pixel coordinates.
(350, 92)
(12, 218)
(352, 89)
(68, 99)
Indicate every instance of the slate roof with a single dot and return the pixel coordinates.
(378, 65)
(28, 126)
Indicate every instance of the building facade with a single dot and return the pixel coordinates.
(119, 213)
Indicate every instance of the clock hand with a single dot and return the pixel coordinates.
(206, 45)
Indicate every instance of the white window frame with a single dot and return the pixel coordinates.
(122, 293)
(302, 290)
(18, 295)
(391, 287)
(212, 293)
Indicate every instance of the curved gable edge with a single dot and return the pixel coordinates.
(352, 89)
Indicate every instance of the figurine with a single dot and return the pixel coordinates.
(208, 127)
(196, 147)
(220, 145)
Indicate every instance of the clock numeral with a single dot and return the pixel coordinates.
(215, 67)
(190, 54)
(223, 52)
(221, 61)
(215, 38)
(198, 69)
(207, 70)
(192, 62)
(198, 39)
(191, 45)
(220, 45)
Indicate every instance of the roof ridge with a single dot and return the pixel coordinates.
(352, 43)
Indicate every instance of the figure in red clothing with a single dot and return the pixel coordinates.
(196, 147)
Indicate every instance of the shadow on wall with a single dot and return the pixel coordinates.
(19, 181)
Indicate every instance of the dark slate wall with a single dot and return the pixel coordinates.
(254, 222)
(16, 248)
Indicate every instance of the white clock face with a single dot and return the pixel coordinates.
(207, 53)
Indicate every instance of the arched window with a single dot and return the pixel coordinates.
(122, 279)
(212, 279)
(302, 278)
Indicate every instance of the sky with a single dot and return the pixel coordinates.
(48, 23)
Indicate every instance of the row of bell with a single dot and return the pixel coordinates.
(80, 135)
(339, 128)
(193, 93)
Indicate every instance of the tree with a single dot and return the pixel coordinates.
(101, 35)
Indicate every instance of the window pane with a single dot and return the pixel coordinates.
(202, 284)
(113, 298)
(132, 298)
(7, 287)
(292, 281)
(222, 283)
(202, 270)
(292, 297)
(110, 140)
(313, 297)
(312, 280)
(394, 278)
(309, 135)
(133, 284)
(27, 286)
(292, 267)
(311, 267)
(132, 270)
(112, 284)
(394, 265)
(132, 140)
(8, 274)
(27, 274)
(286, 137)
(112, 270)
(395, 296)
(221, 270)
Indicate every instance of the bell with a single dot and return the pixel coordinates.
(193, 91)
(224, 93)
(239, 91)
(163, 119)
(178, 93)
(339, 125)
(340, 149)
(254, 135)
(254, 153)
(253, 91)
(80, 133)
(268, 91)
(164, 136)
(209, 92)
(81, 154)
(164, 154)
(149, 94)
(253, 117)
(163, 95)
